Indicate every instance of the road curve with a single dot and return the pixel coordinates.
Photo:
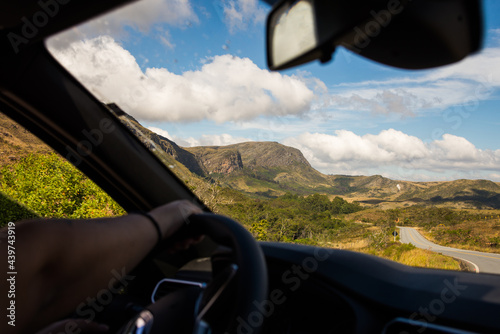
(483, 262)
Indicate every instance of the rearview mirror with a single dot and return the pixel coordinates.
(407, 34)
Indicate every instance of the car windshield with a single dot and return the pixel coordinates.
(352, 155)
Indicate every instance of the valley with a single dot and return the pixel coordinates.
(270, 169)
(275, 192)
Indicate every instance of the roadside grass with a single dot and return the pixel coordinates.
(427, 259)
(470, 229)
(483, 235)
(410, 255)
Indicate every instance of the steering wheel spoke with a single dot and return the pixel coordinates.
(232, 294)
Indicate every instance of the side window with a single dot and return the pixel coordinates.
(37, 182)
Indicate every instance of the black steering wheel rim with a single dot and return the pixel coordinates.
(251, 285)
(251, 281)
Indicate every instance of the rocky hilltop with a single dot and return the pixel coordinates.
(270, 155)
(262, 168)
(251, 155)
(160, 144)
(269, 169)
(217, 159)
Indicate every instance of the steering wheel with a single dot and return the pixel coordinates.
(232, 301)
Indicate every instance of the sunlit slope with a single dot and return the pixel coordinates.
(270, 169)
(16, 142)
(458, 190)
(265, 168)
(181, 162)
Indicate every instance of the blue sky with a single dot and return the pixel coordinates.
(195, 72)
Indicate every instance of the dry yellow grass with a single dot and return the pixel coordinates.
(416, 258)
(355, 244)
(427, 259)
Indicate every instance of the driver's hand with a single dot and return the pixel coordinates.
(172, 216)
(74, 326)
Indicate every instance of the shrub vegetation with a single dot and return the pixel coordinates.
(49, 186)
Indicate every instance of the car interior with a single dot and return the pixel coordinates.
(230, 283)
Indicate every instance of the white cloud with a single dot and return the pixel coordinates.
(166, 40)
(160, 132)
(462, 84)
(141, 16)
(457, 149)
(494, 176)
(204, 140)
(240, 13)
(219, 140)
(393, 153)
(225, 88)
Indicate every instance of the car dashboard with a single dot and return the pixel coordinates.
(317, 290)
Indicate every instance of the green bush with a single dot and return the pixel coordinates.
(394, 251)
(259, 230)
(49, 186)
(305, 241)
(292, 218)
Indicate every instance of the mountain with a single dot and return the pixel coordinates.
(261, 168)
(164, 148)
(480, 192)
(217, 160)
(270, 169)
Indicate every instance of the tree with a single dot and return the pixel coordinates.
(260, 230)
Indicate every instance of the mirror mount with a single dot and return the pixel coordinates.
(326, 55)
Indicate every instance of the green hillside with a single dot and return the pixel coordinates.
(270, 170)
(474, 192)
(271, 188)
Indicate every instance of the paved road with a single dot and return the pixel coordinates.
(483, 262)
